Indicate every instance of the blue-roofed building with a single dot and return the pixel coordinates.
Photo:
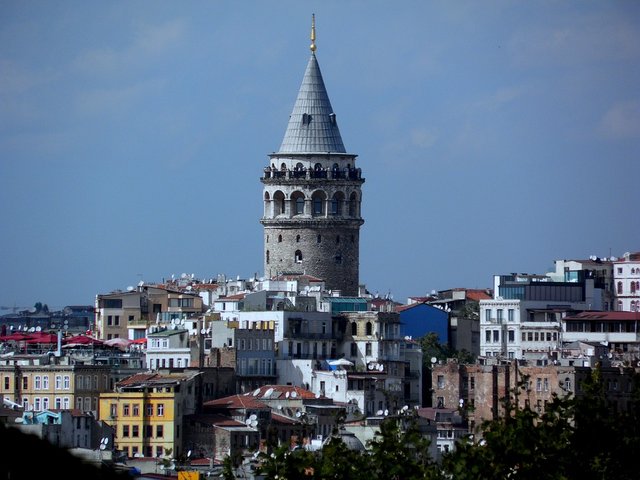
(418, 319)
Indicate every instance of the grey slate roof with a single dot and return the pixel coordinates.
(312, 125)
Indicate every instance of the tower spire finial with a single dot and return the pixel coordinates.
(313, 32)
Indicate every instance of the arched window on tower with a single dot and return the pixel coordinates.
(297, 200)
(279, 238)
(267, 256)
(297, 238)
(336, 203)
(278, 203)
(354, 329)
(298, 256)
(369, 328)
(353, 205)
(318, 203)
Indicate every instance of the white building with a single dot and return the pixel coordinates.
(524, 318)
(626, 277)
(168, 348)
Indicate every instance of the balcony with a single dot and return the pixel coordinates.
(271, 175)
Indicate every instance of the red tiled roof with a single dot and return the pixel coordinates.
(237, 402)
(277, 418)
(618, 316)
(280, 392)
(478, 295)
(216, 419)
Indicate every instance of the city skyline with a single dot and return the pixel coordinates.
(493, 137)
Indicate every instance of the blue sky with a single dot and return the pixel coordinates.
(494, 136)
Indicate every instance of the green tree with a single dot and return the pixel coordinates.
(401, 452)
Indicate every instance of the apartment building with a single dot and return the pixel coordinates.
(44, 382)
(146, 411)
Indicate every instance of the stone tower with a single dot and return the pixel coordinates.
(312, 194)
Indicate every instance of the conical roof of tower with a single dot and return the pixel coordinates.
(312, 125)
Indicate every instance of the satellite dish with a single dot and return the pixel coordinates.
(254, 423)
(257, 391)
(434, 359)
(279, 407)
(298, 414)
(380, 367)
(188, 453)
(140, 283)
(102, 446)
(286, 394)
(130, 288)
(370, 366)
(248, 422)
(253, 417)
(173, 321)
(386, 412)
(405, 408)
(38, 329)
(294, 394)
(379, 412)
(268, 392)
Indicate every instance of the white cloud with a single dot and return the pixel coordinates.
(116, 100)
(422, 137)
(622, 121)
(499, 98)
(149, 42)
(579, 40)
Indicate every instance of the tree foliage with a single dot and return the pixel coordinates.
(583, 437)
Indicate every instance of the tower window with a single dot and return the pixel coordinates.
(337, 239)
(353, 238)
(338, 258)
(306, 119)
(298, 256)
(299, 205)
(319, 239)
(317, 205)
(279, 238)
(267, 256)
(297, 238)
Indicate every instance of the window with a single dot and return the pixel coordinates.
(58, 382)
(354, 349)
(546, 384)
(319, 239)
(25, 383)
(440, 381)
(298, 256)
(619, 288)
(368, 349)
(499, 314)
(36, 403)
(135, 431)
(318, 205)
(136, 410)
(65, 403)
(369, 330)
(45, 403)
(66, 382)
(512, 336)
(487, 315)
(538, 385)
(279, 238)
(116, 320)
(267, 258)
(297, 238)
(37, 382)
(510, 315)
(45, 382)
(161, 409)
(487, 336)
(148, 431)
(354, 329)
(125, 409)
(125, 430)
(58, 403)
(160, 431)
(134, 451)
(299, 205)
(159, 451)
(496, 336)
(113, 410)
(7, 383)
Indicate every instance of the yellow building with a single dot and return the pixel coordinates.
(42, 382)
(146, 412)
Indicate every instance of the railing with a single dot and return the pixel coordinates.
(345, 174)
